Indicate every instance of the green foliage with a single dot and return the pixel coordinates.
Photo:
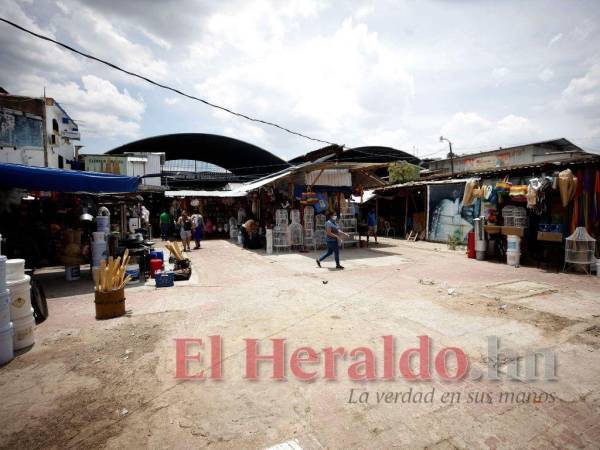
(454, 240)
(403, 172)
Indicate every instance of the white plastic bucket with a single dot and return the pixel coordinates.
(513, 243)
(15, 269)
(24, 331)
(598, 269)
(72, 273)
(513, 258)
(133, 270)
(4, 309)
(99, 252)
(95, 272)
(99, 236)
(6, 343)
(20, 298)
(2, 271)
(269, 241)
(103, 223)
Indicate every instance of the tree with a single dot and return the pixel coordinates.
(402, 172)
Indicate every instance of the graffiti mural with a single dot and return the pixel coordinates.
(447, 216)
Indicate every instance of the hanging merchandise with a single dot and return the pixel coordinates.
(309, 198)
(503, 189)
(532, 192)
(468, 196)
(518, 192)
(567, 185)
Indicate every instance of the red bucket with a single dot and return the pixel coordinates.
(471, 244)
(155, 266)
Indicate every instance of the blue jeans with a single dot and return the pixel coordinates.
(332, 247)
(164, 230)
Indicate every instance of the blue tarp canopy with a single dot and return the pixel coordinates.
(61, 180)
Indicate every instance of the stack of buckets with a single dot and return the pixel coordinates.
(99, 243)
(480, 242)
(6, 326)
(21, 312)
(513, 250)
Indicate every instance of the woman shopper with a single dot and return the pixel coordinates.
(333, 240)
(185, 230)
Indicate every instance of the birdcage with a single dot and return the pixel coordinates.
(515, 216)
(320, 222)
(296, 234)
(281, 216)
(281, 241)
(309, 239)
(309, 217)
(580, 248)
(295, 215)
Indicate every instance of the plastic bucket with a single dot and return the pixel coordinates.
(598, 269)
(20, 298)
(24, 331)
(156, 265)
(99, 236)
(513, 243)
(513, 258)
(2, 272)
(103, 223)
(133, 270)
(99, 252)
(15, 269)
(6, 343)
(72, 273)
(4, 309)
(156, 254)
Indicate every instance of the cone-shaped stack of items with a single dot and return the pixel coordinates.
(21, 312)
(6, 326)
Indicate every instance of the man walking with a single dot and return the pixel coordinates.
(332, 240)
(371, 225)
(165, 221)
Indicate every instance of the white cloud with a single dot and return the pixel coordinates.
(546, 75)
(171, 100)
(500, 72)
(470, 131)
(582, 95)
(100, 107)
(555, 39)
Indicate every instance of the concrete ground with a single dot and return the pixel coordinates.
(111, 384)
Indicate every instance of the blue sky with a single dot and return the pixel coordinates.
(399, 73)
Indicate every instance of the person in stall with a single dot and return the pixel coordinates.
(250, 238)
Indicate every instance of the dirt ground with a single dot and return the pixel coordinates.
(111, 384)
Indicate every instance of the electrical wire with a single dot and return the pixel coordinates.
(163, 86)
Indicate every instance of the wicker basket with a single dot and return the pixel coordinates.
(110, 304)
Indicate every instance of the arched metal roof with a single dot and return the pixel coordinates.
(241, 158)
(371, 154)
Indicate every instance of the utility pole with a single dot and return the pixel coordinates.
(442, 138)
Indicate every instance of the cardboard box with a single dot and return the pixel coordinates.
(549, 236)
(515, 231)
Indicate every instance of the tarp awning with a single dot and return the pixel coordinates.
(62, 180)
(222, 194)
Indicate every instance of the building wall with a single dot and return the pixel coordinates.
(139, 165)
(30, 125)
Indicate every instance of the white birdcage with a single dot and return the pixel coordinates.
(515, 216)
(320, 222)
(281, 216)
(296, 234)
(281, 239)
(309, 238)
(295, 216)
(309, 217)
(580, 248)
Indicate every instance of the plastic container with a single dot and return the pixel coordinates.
(471, 244)
(513, 258)
(99, 252)
(598, 269)
(15, 269)
(157, 254)
(24, 331)
(513, 243)
(156, 265)
(4, 309)
(2, 272)
(164, 279)
(133, 270)
(99, 236)
(72, 273)
(6, 343)
(20, 297)
(103, 223)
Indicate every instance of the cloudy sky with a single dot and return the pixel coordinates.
(400, 73)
